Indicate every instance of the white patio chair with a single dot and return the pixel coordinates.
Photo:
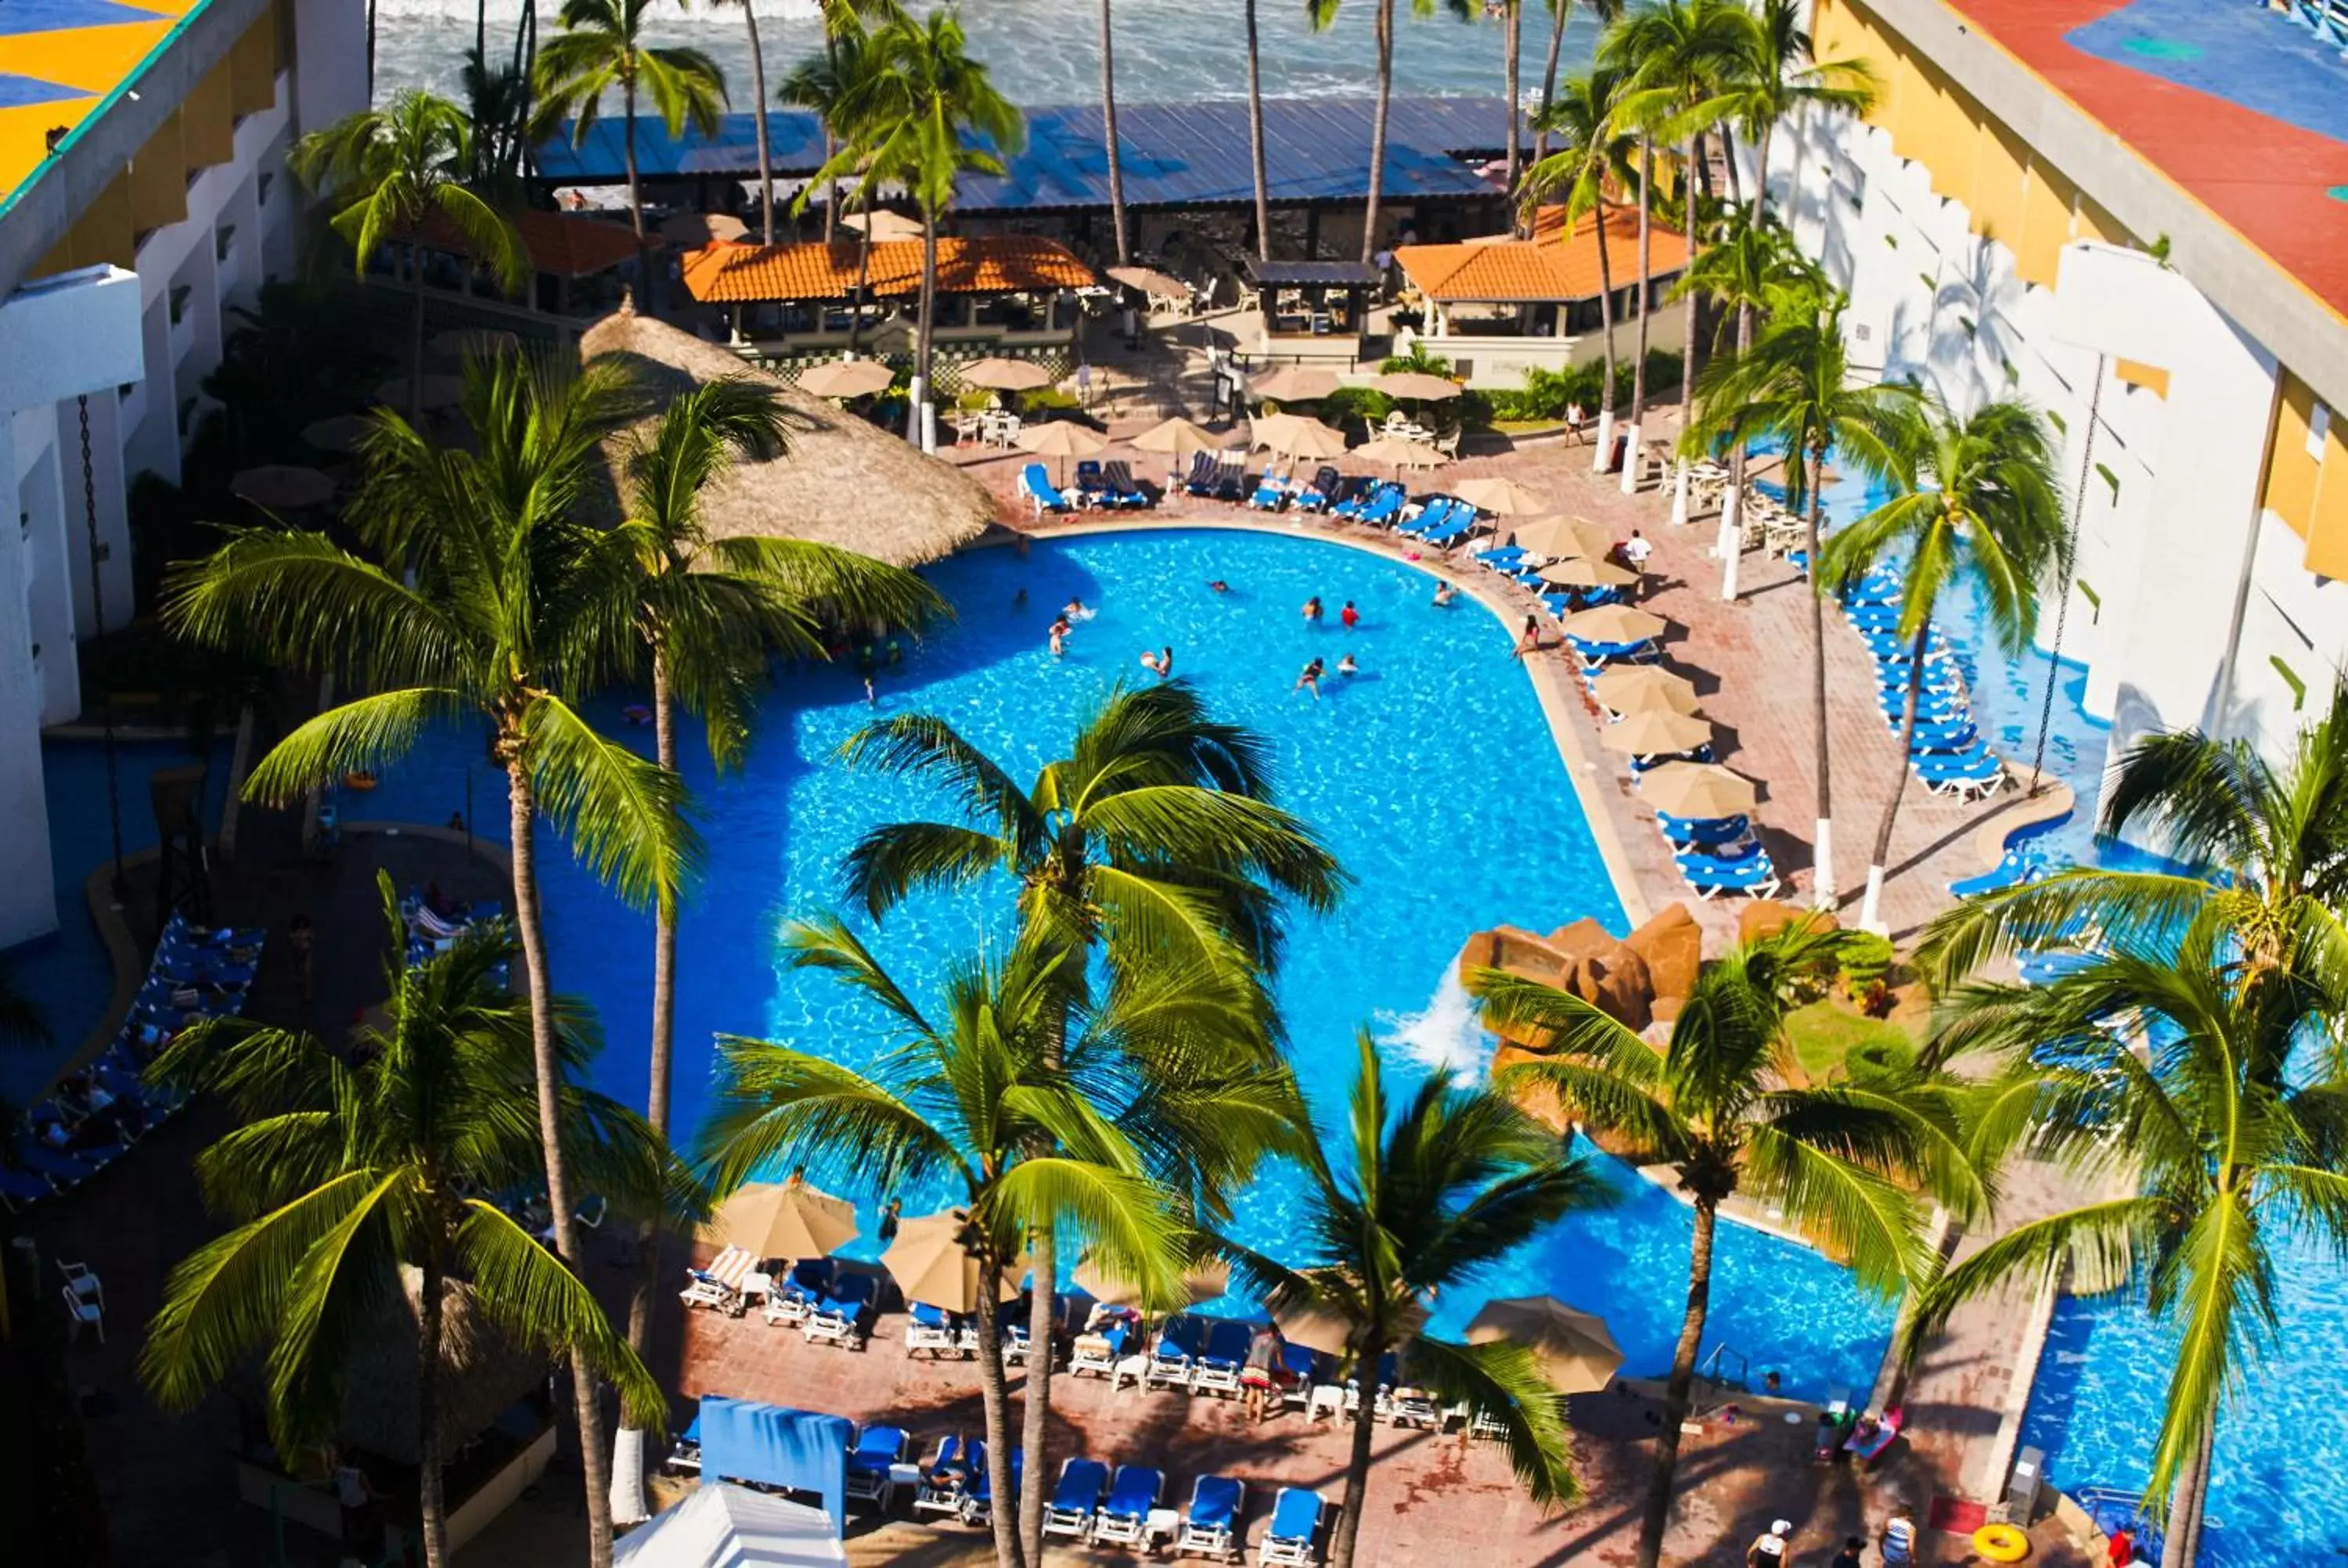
(83, 1310)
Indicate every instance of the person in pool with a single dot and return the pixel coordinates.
(1220, 585)
(1075, 610)
(1161, 664)
(1312, 609)
(1443, 593)
(1346, 666)
(1311, 679)
(1349, 618)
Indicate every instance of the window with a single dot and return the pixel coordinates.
(262, 190)
(180, 301)
(221, 241)
(2319, 425)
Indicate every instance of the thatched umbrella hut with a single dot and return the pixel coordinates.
(843, 482)
(487, 1375)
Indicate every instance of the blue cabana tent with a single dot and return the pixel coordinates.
(770, 1445)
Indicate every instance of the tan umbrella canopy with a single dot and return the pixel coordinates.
(884, 224)
(1006, 375)
(1402, 454)
(283, 486)
(1150, 281)
(1331, 1335)
(1614, 623)
(1177, 437)
(1296, 383)
(464, 342)
(436, 392)
(1501, 497)
(1697, 789)
(1645, 688)
(845, 482)
(1656, 733)
(1416, 386)
(1203, 1281)
(931, 1265)
(1562, 537)
(783, 1219)
(335, 433)
(1293, 436)
(703, 228)
(846, 378)
(1576, 1353)
(1581, 572)
(1061, 439)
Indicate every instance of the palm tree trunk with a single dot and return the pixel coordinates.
(1035, 1428)
(1255, 140)
(758, 94)
(1631, 464)
(1378, 131)
(663, 1032)
(831, 193)
(636, 198)
(1823, 889)
(1357, 1460)
(863, 276)
(2180, 1543)
(1108, 131)
(1730, 545)
(1761, 173)
(1557, 14)
(1870, 908)
(925, 324)
(531, 931)
(481, 37)
(994, 1404)
(415, 335)
(431, 1502)
(1606, 327)
(370, 63)
(1512, 39)
(1688, 328)
(1677, 1393)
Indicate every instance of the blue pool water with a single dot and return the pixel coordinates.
(1432, 775)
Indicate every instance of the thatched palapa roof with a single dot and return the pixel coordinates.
(843, 482)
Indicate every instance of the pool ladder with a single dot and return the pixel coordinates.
(1717, 1380)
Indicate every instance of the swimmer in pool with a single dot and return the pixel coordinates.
(1161, 664)
(1346, 666)
(1312, 609)
(1220, 585)
(1443, 594)
(1019, 599)
(1074, 611)
(1059, 640)
(1311, 679)
(1349, 618)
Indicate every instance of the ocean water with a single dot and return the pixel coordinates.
(1048, 51)
(1432, 775)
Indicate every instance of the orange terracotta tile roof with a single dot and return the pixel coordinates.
(984, 264)
(1552, 266)
(565, 244)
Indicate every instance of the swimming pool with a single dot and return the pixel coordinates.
(1431, 774)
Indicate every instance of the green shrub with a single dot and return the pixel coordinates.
(1418, 358)
(1366, 404)
(1879, 1062)
(1046, 400)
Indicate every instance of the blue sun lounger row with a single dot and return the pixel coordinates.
(1747, 870)
(1946, 750)
(1035, 488)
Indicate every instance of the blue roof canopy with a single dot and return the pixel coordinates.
(1175, 155)
(772, 1445)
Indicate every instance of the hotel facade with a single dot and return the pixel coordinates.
(143, 197)
(2146, 253)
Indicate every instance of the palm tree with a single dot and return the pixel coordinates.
(487, 598)
(1755, 270)
(758, 98)
(1442, 1186)
(1594, 157)
(1100, 1132)
(1108, 132)
(1560, 13)
(1978, 488)
(1256, 139)
(1778, 73)
(1677, 55)
(390, 167)
(1794, 385)
(907, 121)
(2214, 1155)
(2278, 829)
(602, 46)
(497, 101)
(1154, 839)
(1719, 1105)
(349, 1170)
(713, 612)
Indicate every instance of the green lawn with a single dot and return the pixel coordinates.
(1827, 1030)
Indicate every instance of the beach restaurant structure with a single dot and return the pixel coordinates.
(1497, 308)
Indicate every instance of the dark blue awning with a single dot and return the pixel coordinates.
(1175, 155)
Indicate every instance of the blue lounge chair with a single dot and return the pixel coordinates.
(1217, 1369)
(1384, 508)
(871, 1464)
(979, 1507)
(1435, 514)
(686, 1452)
(1069, 1510)
(1969, 774)
(1321, 494)
(1753, 874)
(1357, 494)
(1270, 493)
(1122, 1519)
(1464, 524)
(2013, 869)
(1176, 1352)
(1123, 488)
(1704, 830)
(949, 1476)
(1294, 1531)
(1211, 1525)
(1205, 467)
(1040, 494)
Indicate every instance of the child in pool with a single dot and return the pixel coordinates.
(1312, 609)
(1161, 664)
(1346, 666)
(1311, 679)
(1443, 594)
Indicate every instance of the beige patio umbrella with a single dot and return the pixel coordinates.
(1501, 497)
(1203, 1281)
(703, 228)
(335, 433)
(1296, 383)
(436, 392)
(783, 1219)
(1331, 1335)
(1150, 281)
(283, 486)
(930, 1263)
(846, 378)
(1400, 453)
(1581, 572)
(1645, 688)
(1416, 386)
(884, 224)
(1656, 733)
(1176, 438)
(1005, 374)
(1697, 789)
(1614, 623)
(1576, 1352)
(1562, 537)
(1061, 439)
(1293, 436)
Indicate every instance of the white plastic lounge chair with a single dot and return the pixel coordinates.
(945, 1483)
(719, 1286)
(929, 1331)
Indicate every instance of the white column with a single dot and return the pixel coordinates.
(27, 890)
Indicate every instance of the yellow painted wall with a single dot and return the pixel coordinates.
(159, 179)
(2327, 540)
(2289, 489)
(208, 119)
(102, 234)
(252, 65)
